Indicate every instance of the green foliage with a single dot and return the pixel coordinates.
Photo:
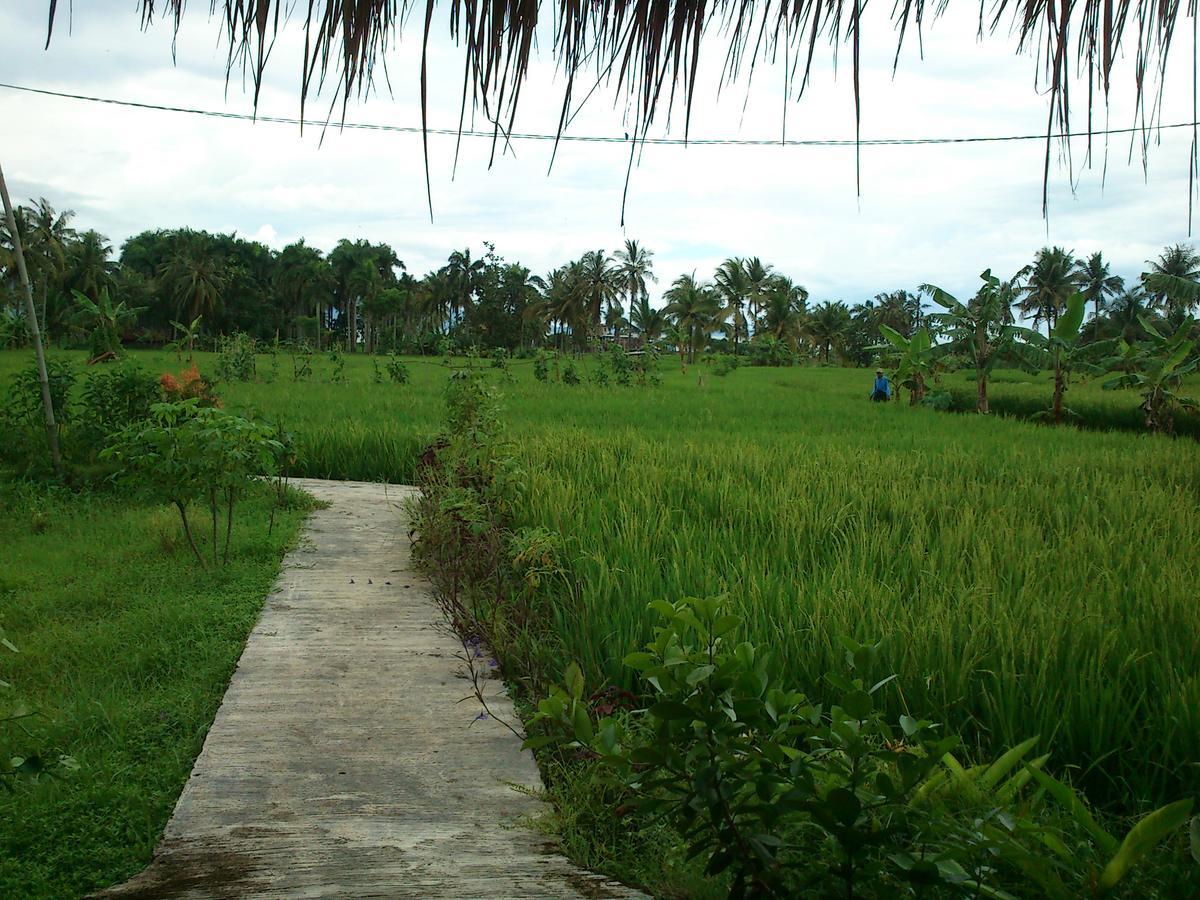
(13, 333)
(768, 350)
(113, 398)
(236, 357)
(980, 330)
(302, 360)
(784, 792)
(1155, 367)
(22, 405)
(104, 320)
(337, 366)
(541, 366)
(570, 375)
(187, 452)
(397, 370)
(914, 360)
(126, 651)
(726, 363)
(21, 415)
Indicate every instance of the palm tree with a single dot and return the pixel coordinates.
(898, 310)
(45, 237)
(304, 280)
(194, 278)
(1096, 282)
(1050, 282)
(462, 274)
(694, 308)
(565, 301)
(735, 289)
(635, 266)
(1179, 261)
(759, 277)
(647, 321)
(783, 315)
(89, 268)
(598, 282)
(1126, 311)
(828, 324)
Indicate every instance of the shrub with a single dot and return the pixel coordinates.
(397, 370)
(235, 357)
(789, 796)
(541, 366)
(112, 399)
(570, 375)
(188, 385)
(186, 452)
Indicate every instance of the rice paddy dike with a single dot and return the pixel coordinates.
(1025, 579)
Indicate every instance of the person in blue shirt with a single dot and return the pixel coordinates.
(882, 392)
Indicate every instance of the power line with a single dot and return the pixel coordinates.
(601, 139)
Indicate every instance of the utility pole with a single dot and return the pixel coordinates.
(32, 324)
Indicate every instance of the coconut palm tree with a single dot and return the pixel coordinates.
(1096, 282)
(45, 237)
(193, 278)
(734, 287)
(783, 313)
(759, 276)
(647, 321)
(1178, 261)
(599, 282)
(89, 269)
(635, 266)
(694, 307)
(463, 275)
(1049, 283)
(305, 283)
(828, 324)
(1126, 311)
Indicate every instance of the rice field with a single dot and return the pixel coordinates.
(1025, 580)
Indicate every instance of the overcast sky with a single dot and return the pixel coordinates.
(937, 214)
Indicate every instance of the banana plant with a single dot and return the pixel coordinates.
(914, 359)
(1156, 367)
(1062, 352)
(186, 337)
(105, 319)
(980, 329)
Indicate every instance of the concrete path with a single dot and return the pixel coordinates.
(344, 760)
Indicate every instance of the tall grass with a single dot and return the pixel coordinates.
(1025, 579)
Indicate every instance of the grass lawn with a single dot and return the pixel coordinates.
(126, 648)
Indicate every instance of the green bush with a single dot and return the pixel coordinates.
(187, 453)
(791, 797)
(113, 398)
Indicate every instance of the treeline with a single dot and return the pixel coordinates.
(166, 284)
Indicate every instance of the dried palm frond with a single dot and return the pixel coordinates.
(652, 48)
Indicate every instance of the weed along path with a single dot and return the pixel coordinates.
(344, 761)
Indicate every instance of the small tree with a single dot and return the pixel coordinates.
(186, 453)
(981, 330)
(1156, 367)
(1062, 352)
(105, 321)
(185, 337)
(915, 360)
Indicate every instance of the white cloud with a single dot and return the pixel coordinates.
(927, 213)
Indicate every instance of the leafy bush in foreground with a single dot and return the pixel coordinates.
(788, 796)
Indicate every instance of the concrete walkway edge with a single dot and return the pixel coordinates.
(344, 760)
